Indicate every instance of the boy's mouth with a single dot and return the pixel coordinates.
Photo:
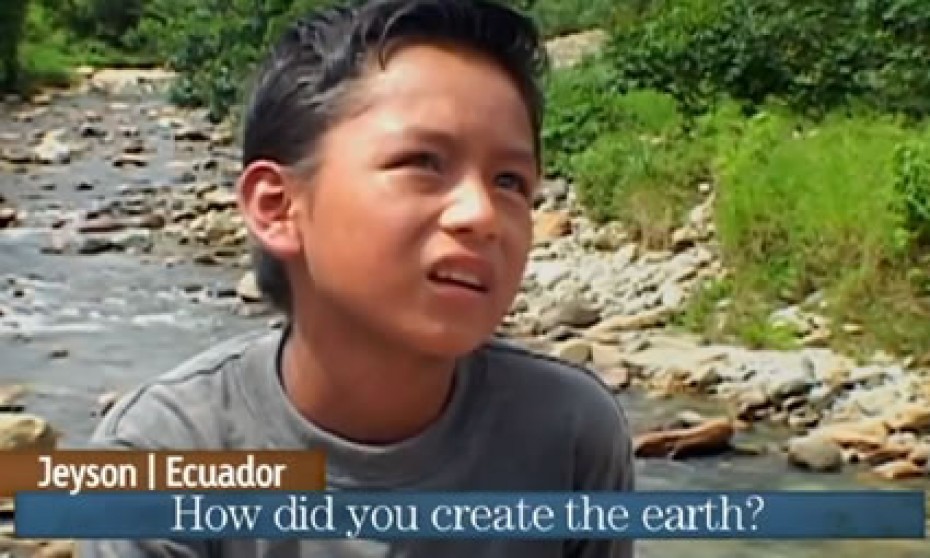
(458, 279)
(465, 272)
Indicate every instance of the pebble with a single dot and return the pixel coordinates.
(815, 453)
(575, 351)
(247, 289)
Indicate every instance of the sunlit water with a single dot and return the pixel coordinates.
(123, 320)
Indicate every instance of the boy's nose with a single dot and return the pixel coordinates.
(471, 210)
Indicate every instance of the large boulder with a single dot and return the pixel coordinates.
(20, 431)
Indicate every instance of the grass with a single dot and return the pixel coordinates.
(838, 206)
(815, 207)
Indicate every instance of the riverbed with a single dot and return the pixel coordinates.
(75, 326)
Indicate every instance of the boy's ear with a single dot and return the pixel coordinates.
(266, 202)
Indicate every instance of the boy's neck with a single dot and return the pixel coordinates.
(360, 389)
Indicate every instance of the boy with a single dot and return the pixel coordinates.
(391, 153)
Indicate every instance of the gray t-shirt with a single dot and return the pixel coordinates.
(516, 421)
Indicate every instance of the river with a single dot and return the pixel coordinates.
(113, 320)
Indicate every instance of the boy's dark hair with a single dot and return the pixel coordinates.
(300, 87)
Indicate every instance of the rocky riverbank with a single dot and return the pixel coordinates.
(592, 295)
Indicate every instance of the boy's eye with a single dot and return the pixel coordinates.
(421, 160)
(513, 181)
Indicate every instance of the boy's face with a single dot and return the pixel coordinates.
(417, 224)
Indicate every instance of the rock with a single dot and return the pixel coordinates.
(42, 99)
(920, 455)
(712, 436)
(57, 549)
(569, 50)
(207, 258)
(852, 329)
(130, 160)
(92, 245)
(865, 435)
(247, 288)
(610, 238)
(899, 470)
(548, 273)
(17, 156)
(606, 356)
(575, 351)
(550, 225)
(617, 378)
(785, 386)
(11, 394)
(685, 238)
(818, 338)
(103, 224)
(59, 352)
(672, 296)
(642, 320)
(133, 240)
(815, 453)
(52, 151)
(91, 130)
(122, 81)
(573, 312)
(751, 404)
(689, 418)
(627, 254)
(222, 137)
(877, 401)
(20, 431)
(912, 417)
(190, 133)
(8, 217)
(803, 419)
(220, 200)
(886, 454)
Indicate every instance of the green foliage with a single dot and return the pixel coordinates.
(814, 54)
(643, 171)
(559, 17)
(580, 108)
(215, 44)
(834, 206)
(809, 203)
(105, 21)
(12, 27)
(912, 186)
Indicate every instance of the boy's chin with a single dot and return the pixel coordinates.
(451, 343)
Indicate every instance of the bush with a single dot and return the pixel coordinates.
(580, 108)
(559, 17)
(644, 171)
(912, 186)
(817, 55)
(12, 27)
(106, 21)
(215, 44)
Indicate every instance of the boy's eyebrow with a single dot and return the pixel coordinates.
(515, 153)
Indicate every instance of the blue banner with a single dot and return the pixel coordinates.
(471, 515)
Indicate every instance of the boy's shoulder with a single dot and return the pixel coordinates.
(512, 362)
(554, 385)
(201, 401)
(185, 406)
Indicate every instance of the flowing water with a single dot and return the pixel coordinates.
(124, 318)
